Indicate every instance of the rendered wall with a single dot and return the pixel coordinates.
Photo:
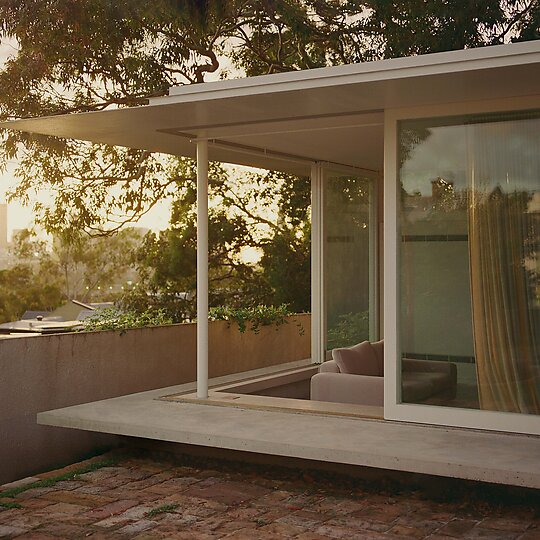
(49, 372)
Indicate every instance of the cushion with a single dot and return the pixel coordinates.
(358, 360)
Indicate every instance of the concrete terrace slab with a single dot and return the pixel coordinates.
(474, 455)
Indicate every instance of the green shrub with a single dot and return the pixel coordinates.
(253, 318)
(114, 319)
(247, 318)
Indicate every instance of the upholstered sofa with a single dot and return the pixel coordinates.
(356, 375)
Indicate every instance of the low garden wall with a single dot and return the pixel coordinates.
(49, 372)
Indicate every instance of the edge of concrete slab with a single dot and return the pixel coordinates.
(447, 452)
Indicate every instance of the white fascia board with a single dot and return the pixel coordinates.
(453, 62)
(382, 70)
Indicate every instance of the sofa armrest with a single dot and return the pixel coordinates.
(347, 388)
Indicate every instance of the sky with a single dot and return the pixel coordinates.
(18, 216)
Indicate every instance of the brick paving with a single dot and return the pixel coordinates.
(139, 497)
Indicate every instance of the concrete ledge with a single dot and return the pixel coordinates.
(457, 453)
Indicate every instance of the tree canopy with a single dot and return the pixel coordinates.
(86, 55)
(240, 220)
(43, 275)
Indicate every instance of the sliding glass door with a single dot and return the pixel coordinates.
(469, 261)
(350, 256)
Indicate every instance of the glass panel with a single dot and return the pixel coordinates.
(470, 262)
(348, 253)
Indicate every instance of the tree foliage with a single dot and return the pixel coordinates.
(22, 289)
(94, 54)
(241, 206)
(88, 55)
(45, 275)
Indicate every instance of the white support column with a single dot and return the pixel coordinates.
(202, 269)
(317, 274)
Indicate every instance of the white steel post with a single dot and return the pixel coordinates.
(202, 269)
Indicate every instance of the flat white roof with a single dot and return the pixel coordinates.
(286, 120)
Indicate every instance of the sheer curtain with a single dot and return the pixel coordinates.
(504, 231)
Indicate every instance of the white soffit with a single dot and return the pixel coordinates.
(331, 114)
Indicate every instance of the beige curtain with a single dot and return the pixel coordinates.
(503, 242)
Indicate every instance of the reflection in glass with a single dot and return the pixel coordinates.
(348, 248)
(470, 225)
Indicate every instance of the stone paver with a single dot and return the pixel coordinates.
(142, 498)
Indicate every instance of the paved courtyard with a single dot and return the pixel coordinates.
(122, 496)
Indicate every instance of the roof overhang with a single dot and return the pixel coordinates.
(286, 121)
